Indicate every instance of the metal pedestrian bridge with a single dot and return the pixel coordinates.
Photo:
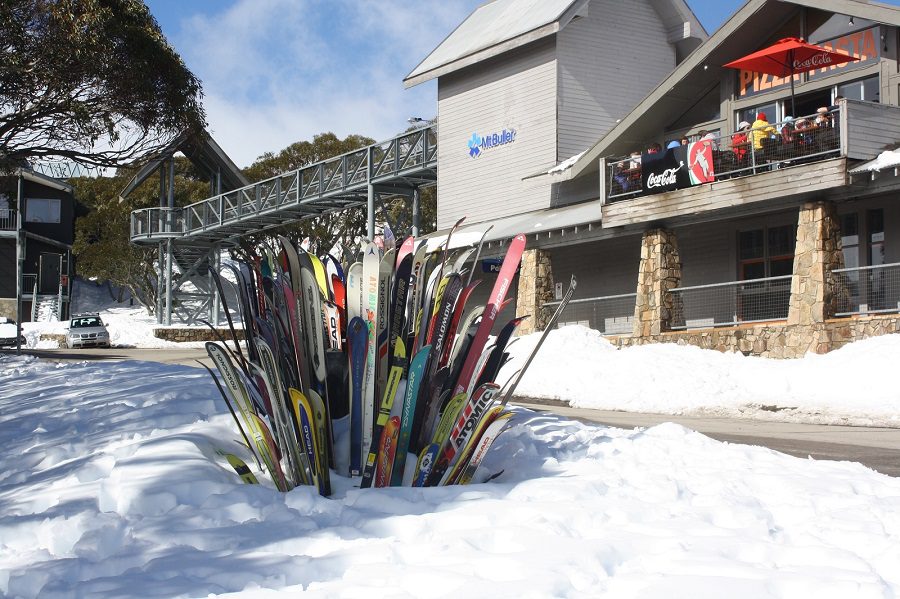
(395, 167)
(191, 237)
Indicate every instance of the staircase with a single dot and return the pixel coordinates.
(45, 309)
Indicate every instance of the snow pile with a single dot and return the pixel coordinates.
(846, 386)
(111, 487)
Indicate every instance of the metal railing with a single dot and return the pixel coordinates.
(736, 302)
(866, 289)
(610, 314)
(328, 185)
(778, 145)
(7, 219)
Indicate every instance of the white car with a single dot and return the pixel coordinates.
(87, 330)
(8, 332)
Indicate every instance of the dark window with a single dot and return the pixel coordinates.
(876, 288)
(767, 252)
(41, 210)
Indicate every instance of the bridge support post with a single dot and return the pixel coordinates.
(370, 213)
(415, 212)
(160, 282)
(169, 250)
(214, 257)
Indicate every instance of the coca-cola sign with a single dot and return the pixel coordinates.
(665, 178)
(665, 171)
(816, 61)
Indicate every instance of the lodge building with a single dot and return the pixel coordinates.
(777, 241)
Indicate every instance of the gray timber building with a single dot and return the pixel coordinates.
(775, 241)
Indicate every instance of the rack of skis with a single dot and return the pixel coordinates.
(381, 370)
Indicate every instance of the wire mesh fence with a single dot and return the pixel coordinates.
(736, 302)
(866, 289)
(748, 151)
(611, 314)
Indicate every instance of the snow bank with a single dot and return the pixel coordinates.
(110, 486)
(847, 386)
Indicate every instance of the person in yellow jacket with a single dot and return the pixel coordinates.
(761, 129)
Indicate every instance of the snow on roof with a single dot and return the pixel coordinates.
(887, 159)
(490, 24)
(565, 164)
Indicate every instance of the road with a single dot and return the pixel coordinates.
(877, 448)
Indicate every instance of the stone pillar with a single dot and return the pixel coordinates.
(658, 274)
(535, 289)
(814, 296)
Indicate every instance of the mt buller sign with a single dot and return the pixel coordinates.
(479, 144)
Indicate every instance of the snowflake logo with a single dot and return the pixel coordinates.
(474, 146)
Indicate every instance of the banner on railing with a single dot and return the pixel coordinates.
(677, 168)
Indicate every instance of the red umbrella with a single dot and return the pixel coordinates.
(788, 57)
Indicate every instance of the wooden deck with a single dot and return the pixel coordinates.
(777, 184)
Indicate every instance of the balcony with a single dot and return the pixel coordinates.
(7, 219)
(784, 160)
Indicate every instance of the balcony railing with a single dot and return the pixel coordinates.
(779, 145)
(7, 219)
(610, 314)
(736, 302)
(866, 289)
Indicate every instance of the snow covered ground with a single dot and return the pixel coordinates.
(850, 386)
(110, 486)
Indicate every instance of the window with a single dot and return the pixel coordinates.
(766, 252)
(876, 289)
(40, 210)
(850, 248)
(749, 114)
(867, 90)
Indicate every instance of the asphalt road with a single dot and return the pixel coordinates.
(877, 448)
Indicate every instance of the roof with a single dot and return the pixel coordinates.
(528, 223)
(203, 151)
(36, 177)
(702, 70)
(502, 25)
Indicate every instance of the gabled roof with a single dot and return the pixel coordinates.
(203, 151)
(42, 179)
(502, 25)
(702, 70)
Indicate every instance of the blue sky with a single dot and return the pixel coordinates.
(279, 71)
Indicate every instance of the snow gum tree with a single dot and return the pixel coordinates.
(91, 81)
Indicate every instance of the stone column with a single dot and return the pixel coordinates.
(658, 274)
(535, 289)
(814, 297)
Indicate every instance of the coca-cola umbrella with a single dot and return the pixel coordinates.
(790, 56)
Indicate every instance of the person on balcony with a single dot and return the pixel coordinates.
(654, 148)
(740, 143)
(761, 129)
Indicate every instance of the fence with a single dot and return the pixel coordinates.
(779, 145)
(736, 302)
(866, 289)
(611, 314)
(7, 219)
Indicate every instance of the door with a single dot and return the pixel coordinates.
(50, 266)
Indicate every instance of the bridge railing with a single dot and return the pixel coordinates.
(350, 172)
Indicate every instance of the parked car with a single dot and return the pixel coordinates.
(87, 330)
(8, 332)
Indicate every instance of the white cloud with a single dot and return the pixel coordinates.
(279, 71)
